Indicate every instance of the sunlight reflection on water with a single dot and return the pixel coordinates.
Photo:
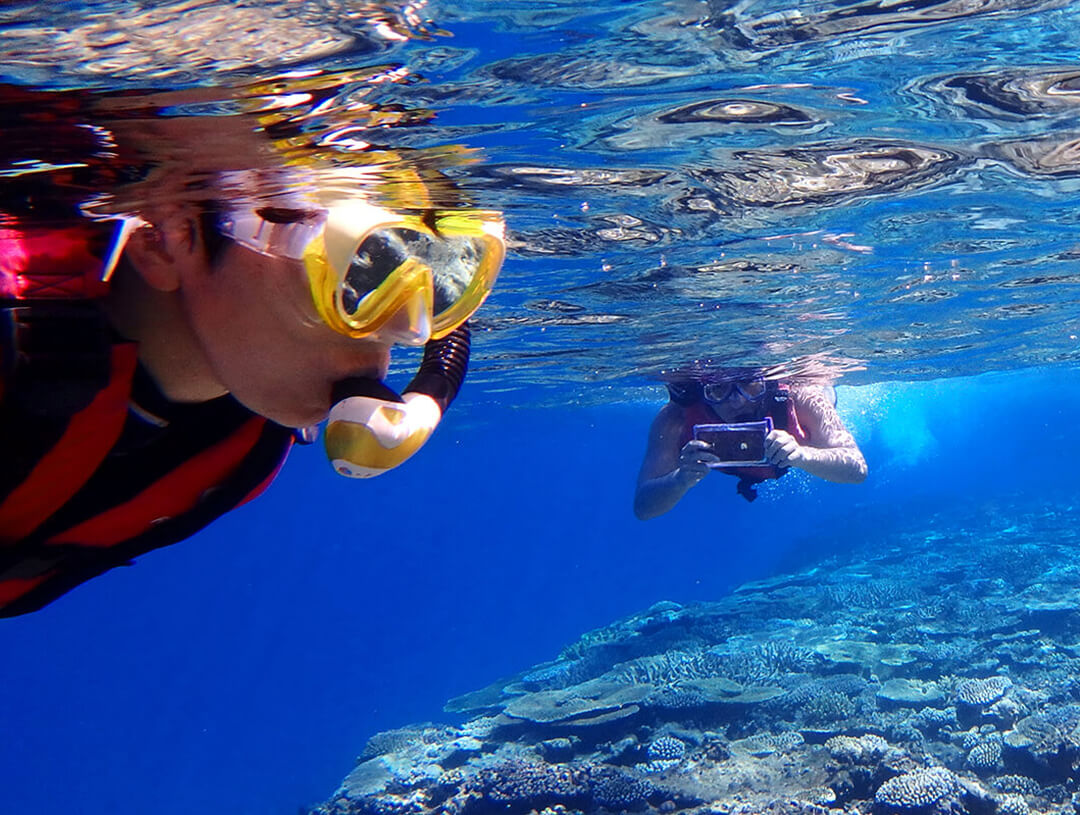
(888, 195)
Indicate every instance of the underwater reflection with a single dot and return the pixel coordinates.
(740, 423)
(1025, 93)
(191, 40)
(790, 27)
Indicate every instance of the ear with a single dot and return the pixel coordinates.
(165, 250)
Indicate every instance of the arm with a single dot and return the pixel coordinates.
(831, 454)
(667, 471)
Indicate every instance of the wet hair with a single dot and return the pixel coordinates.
(731, 374)
(685, 393)
(214, 242)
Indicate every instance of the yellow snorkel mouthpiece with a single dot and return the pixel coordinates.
(371, 429)
(367, 435)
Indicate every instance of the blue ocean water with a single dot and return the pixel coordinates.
(242, 671)
(887, 195)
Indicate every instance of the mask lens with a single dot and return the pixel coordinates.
(453, 260)
(375, 260)
(752, 390)
(717, 391)
(454, 263)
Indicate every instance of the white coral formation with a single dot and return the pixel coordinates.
(666, 748)
(788, 740)
(982, 692)
(861, 750)
(664, 753)
(919, 790)
(985, 756)
(1017, 784)
(759, 744)
(1012, 805)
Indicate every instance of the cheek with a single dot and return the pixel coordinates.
(260, 330)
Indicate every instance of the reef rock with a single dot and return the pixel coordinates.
(908, 680)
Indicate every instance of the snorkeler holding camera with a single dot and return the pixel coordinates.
(746, 426)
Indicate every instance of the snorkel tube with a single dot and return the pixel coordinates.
(371, 429)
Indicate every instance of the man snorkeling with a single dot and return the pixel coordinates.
(158, 364)
(746, 426)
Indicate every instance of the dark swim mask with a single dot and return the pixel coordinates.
(717, 393)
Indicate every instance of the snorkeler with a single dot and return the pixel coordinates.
(157, 366)
(745, 426)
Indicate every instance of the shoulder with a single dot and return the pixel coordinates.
(819, 399)
(668, 426)
(815, 407)
(670, 415)
(662, 449)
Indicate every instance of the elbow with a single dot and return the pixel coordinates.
(843, 466)
(643, 510)
(859, 471)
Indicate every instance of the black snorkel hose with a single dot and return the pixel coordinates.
(443, 368)
(441, 374)
(372, 429)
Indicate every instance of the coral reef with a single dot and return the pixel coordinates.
(861, 750)
(917, 676)
(665, 752)
(982, 692)
(934, 790)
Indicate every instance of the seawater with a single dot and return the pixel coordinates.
(243, 670)
(899, 207)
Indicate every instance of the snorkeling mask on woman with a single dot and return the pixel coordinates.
(374, 274)
(751, 390)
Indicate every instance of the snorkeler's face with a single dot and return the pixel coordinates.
(735, 401)
(255, 321)
(736, 409)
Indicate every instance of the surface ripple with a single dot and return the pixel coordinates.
(884, 191)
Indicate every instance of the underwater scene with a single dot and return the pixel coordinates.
(759, 495)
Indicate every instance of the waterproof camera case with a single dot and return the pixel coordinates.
(741, 444)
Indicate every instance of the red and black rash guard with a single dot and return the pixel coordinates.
(96, 466)
(83, 492)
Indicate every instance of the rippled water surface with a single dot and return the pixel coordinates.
(884, 189)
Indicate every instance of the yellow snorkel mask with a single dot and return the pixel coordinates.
(409, 279)
(370, 268)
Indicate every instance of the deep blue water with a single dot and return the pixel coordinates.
(242, 671)
(892, 196)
